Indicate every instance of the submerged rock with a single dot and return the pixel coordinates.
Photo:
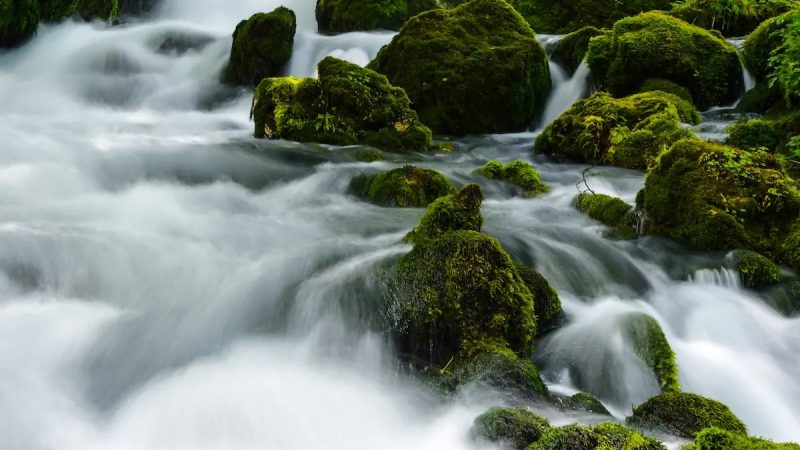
(518, 173)
(655, 45)
(514, 427)
(262, 45)
(406, 187)
(684, 414)
(476, 68)
(346, 105)
(341, 16)
(648, 341)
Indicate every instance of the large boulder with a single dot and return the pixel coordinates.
(731, 17)
(515, 427)
(566, 16)
(756, 270)
(656, 45)
(684, 414)
(406, 187)
(519, 174)
(340, 16)
(476, 68)
(18, 21)
(262, 45)
(346, 105)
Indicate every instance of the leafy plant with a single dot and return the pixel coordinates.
(784, 60)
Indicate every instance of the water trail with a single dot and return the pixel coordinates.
(565, 91)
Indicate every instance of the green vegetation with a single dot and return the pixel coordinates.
(604, 436)
(571, 50)
(624, 438)
(684, 414)
(587, 402)
(566, 16)
(18, 21)
(714, 438)
(756, 270)
(648, 341)
(406, 187)
(731, 17)
(783, 60)
(459, 211)
(56, 10)
(518, 173)
(755, 134)
(770, 54)
(547, 304)
(609, 210)
(670, 87)
(515, 427)
(341, 16)
(262, 45)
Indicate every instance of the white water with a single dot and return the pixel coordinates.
(167, 282)
(566, 91)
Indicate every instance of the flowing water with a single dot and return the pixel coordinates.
(168, 282)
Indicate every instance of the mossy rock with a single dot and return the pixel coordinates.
(571, 50)
(458, 211)
(714, 197)
(476, 68)
(367, 154)
(623, 438)
(547, 304)
(57, 10)
(517, 173)
(566, 16)
(731, 17)
(755, 134)
(789, 250)
(571, 437)
(718, 439)
(341, 16)
(648, 341)
(609, 210)
(762, 99)
(19, 20)
(755, 270)
(656, 45)
(670, 87)
(684, 414)
(406, 187)
(629, 132)
(586, 402)
(515, 427)
(346, 105)
(262, 45)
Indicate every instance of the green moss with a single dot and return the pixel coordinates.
(758, 46)
(516, 427)
(347, 105)
(571, 437)
(18, 21)
(406, 187)
(789, 250)
(459, 211)
(717, 439)
(367, 154)
(261, 46)
(56, 10)
(547, 304)
(756, 270)
(571, 50)
(566, 16)
(684, 414)
(731, 17)
(670, 87)
(655, 45)
(587, 402)
(518, 173)
(648, 341)
(629, 132)
(762, 99)
(754, 134)
(476, 68)
(340, 16)
(609, 210)
(623, 438)
(714, 197)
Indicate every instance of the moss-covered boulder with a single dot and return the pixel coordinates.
(341, 16)
(629, 132)
(566, 16)
(494, 367)
(603, 436)
(609, 210)
(623, 438)
(18, 21)
(367, 154)
(458, 211)
(517, 173)
(670, 87)
(346, 105)
(584, 401)
(648, 341)
(755, 270)
(476, 68)
(547, 304)
(514, 427)
(755, 134)
(262, 45)
(731, 17)
(570, 51)
(406, 187)
(56, 10)
(789, 250)
(717, 439)
(656, 45)
(684, 414)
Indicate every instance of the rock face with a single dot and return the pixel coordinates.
(406, 187)
(346, 105)
(341, 16)
(655, 45)
(262, 45)
(476, 68)
(684, 414)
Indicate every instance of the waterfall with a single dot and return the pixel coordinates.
(566, 91)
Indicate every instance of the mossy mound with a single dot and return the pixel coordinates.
(670, 87)
(367, 154)
(603, 436)
(566, 16)
(571, 50)
(789, 250)
(714, 197)
(609, 210)
(623, 438)
(629, 132)
(262, 45)
(518, 173)
(731, 17)
(458, 211)
(656, 45)
(587, 402)
(406, 187)
(648, 341)
(759, 44)
(755, 134)
(56, 10)
(755, 270)
(19, 20)
(498, 368)
(717, 439)
(346, 105)
(515, 427)
(476, 68)
(684, 414)
(341, 16)
(547, 304)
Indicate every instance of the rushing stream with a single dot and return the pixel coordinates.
(168, 282)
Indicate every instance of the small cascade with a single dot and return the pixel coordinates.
(358, 47)
(722, 277)
(566, 91)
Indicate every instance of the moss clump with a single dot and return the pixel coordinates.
(670, 87)
(459, 211)
(714, 197)
(341, 16)
(789, 250)
(497, 368)
(629, 132)
(347, 105)
(611, 211)
(547, 304)
(516, 427)
(518, 173)
(655, 45)
(566, 16)
(731, 17)
(756, 270)
(406, 187)
(571, 50)
(571, 437)
(367, 154)
(587, 402)
(684, 414)
(624, 438)
(717, 439)
(262, 45)
(56, 10)
(758, 46)
(648, 341)
(18, 21)
(476, 68)
(755, 134)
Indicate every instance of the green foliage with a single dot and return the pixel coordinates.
(731, 17)
(458, 211)
(18, 21)
(656, 45)
(340, 16)
(789, 250)
(784, 60)
(547, 304)
(754, 134)
(571, 50)
(406, 187)
(670, 87)
(756, 270)
(566, 16)
(623, 438)
(476, 68)
(518, 173)
(367, 154)
(648, 341)
(684, 414)
(262, 45)
(516, 427)
(56, 10)
(347, 105)
(714, 438)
